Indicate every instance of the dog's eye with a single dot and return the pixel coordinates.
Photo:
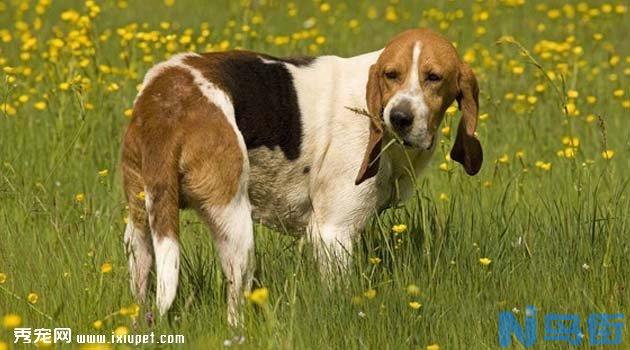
(391, 75)
(433, 77)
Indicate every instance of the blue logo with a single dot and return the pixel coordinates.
(602, 329)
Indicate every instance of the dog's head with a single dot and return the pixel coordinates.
(416, 77)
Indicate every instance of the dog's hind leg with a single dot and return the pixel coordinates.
(161, 201)
(138, 247)
(162, 205)
(215, 180)
(137, 238)
(233, 233)
(215, 172)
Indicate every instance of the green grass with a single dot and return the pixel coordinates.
(558, 239)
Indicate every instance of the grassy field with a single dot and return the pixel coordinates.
(545, 223)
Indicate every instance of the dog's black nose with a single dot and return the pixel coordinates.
(401, 120)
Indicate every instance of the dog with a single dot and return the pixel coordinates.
(243, 137)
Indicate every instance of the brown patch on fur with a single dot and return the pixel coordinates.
(467, 149)
(132, 180)
(178, 146)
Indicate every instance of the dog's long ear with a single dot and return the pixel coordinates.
(369, 166)
(467, 149)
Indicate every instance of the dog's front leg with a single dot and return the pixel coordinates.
(332, 245)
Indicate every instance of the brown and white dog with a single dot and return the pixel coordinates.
(241, 136)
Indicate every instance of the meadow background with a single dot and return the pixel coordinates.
(544, 223)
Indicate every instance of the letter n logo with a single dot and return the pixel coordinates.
(509, 325)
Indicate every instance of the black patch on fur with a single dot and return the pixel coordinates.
(307, 169)
(298, 61)
(263, 94)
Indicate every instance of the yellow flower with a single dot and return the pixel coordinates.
(169, 3)
(572, 93)
(444, 166)
(540, 87)
(591, 99)
(372, 12)
(140, 195)
(618, 93)
(106, 267)
(542, 165)
(412, 289)
(399, 228)
(571, 109)
(375, 260)
(103, 173)
(390, 14)
(7, 108)
(70, 16)
(553, 14)
(121, 330)
(451, 109)
(128, 112)
(11, 321)
(32, 298)
(487, 184)
(258, 296)
(443, 196)
(532, 100)
(64, 86)
(324, 7)
(614, 60)
(132, 310)
(571, 141)
(415, 305)
(3, 277)
(98, 324)
(485, 261)
(433, 347)
(40, 105)
(320, 40)
(608, 154)
(569, 152)
(370, 293)
(446, 130)
(4, 346)
(105, 69)
(79, 197)
(504, 159)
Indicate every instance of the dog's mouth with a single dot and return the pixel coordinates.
(409, 144)
(413, 145)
